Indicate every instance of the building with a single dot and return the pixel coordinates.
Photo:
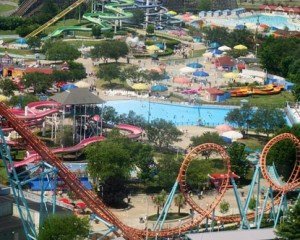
(225, 62)
(211, 94)
(280, 9)
(18, 72)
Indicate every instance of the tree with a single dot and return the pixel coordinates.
(224, 207)
(64, 227)
(162, 133)
(268, 120)
(134, 74)
(25, 30)
(109, 72)
(179, 201)
(204, 5)
(296, 91)
(34, 42)
(39, 81)
(133, 118)
(240, 116)
(7, 87)
(252, 203)
(111, 166)
(159, 200)
(290, 228)
(150, 29)
(138, 16)
(110, 49)
(65, 136)
(96, 31)
(207, 137)
(167, 168)
(239, 163)
(22, 100)
(62, 51)
(76, 70)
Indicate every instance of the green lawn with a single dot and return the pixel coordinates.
(16, 51)
(5, 8)
(278, 100)
(7, 32)
(252, 143)
(63, 23)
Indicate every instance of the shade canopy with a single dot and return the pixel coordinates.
(181, 80)
(214, 45)
(81, 205)
(77, 96)
(159, 88)
(21, 41)
(240, 47)
(140, 86)
(231, 75)
(65, 200)
(224, 48)
(240, 27)
(152, 48)
(207, 54)
(187, 70)
(194, 65)
(172, 13)
(68, 87)
(233, 135)
(216, 52)
(223, 128)
(200, 74)
(3, 98)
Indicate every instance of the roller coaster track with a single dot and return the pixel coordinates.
(99, 208)
(24, 7)
(55, 19)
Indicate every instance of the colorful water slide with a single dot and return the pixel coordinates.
(60, 30)
(135, 131)
(24, 7)
(34, 157)
(34, 113)
(55, 19)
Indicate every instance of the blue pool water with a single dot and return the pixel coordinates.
(178, 114)
(276, 21)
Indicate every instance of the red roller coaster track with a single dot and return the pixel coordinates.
(99, 208)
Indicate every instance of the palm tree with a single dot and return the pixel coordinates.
(159, 200)
(179, 201)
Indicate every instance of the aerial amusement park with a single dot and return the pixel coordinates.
(136, 163)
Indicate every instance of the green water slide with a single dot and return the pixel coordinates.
(112, 11)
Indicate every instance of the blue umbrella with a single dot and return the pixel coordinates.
(159, 88)
(195, 65)
(214, 45)
(273, 28)
(216, 52)
(21, 41)
(68, 87)
(240, 27)
(200, 74)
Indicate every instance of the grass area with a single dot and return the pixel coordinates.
(278, 100)
(6, 8)
(3, 174)
(170, 216)
(253, 143)
(63, 23)
(16, 51)
(7, 32)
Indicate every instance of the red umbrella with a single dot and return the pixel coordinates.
(81, 205)
(65, 200)
(224, 128)
(181, 80)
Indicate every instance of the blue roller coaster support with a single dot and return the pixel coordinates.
(19, 180)
(162, 217)
(111, 228)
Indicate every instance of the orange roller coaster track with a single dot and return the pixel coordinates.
(99, 208)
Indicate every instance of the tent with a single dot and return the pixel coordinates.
(216, 52)
(140, 86)
(240, 47)
(232, 135)
(194, 65)
(68, 87)
(200, 74)
(186, 70)
(224, 48)
(214, 45)
(159, 88)
(181, 80)
(223, 128)
(231, 75)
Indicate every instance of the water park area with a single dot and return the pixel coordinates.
(129, 120)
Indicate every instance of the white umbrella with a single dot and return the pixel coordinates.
(224, 48)
(233, 135)
(187, 70)
(207, 54)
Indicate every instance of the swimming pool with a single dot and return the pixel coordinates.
(277, 21)
(178, 114)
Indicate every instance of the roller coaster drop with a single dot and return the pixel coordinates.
(52, 165)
